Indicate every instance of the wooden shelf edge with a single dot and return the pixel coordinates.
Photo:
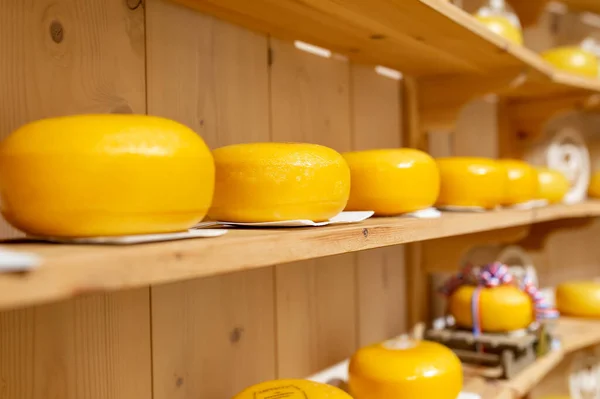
(70, 270)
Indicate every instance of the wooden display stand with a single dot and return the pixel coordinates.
(206, 318)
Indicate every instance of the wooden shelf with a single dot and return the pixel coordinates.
(574, 334)
(69, 270)
(530, 10)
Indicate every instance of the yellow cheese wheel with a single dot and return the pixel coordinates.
(552, 185)
(104, 175)
(471, 182)
(405, 369)
(594, 187)
(579, 299)
(503, 308)
(292, 389)
(392, 181)
(267, 182)
(521, 182)
(573, 59)
(502, 27)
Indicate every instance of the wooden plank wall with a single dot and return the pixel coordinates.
(205, 338)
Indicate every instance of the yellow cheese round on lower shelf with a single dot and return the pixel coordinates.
(552, 185)
(267, 182)
(504, 308)
(521, 182)
(292, 389)
(594, 187)
(573, 59)
(392, 181)
(503, 27)
(471, 182)
(104, 175)
(405, 369)
(579, 299)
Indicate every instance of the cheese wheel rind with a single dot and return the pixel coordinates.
(405, 370)
(552, 185)
(502, 309)
(392, 181)
(521, 182)
(268, 182)
(104, 175)
(292, 389)
(579, 299)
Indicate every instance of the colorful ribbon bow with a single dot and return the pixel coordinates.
(495, 275)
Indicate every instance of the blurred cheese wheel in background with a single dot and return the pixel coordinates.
(578, 299)
(502, 309)
(405, 369)
(594, 187)
(104, 175)
(573, 59)
(552, 185)
(268, 182)
(292, 389)
(521, 182)
(392, 181)
(503, 27)
(470, 182)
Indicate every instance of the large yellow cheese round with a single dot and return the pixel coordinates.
(392, 181)
(405, 369)
(579, 299)
(594, 187)
(573, 59)
(502, 27)
(503, 308)
(521, 182)
(104, 175)
(552, 185)
(471, 182)
(267, 182)
(292, 389)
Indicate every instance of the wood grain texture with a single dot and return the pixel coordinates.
(310, 102)
(380, 273)
(95, 347)
(211, 337)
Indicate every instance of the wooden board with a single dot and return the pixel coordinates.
(211, 337)
(70, 270)
(310, 102)
(395, 34)
(380, 274)
(64, 57)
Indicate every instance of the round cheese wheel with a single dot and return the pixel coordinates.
(104, 175)
(405, 369)
(594, 187)
(521, 182)
(392, 181)
(504, 308)
(292, 389)
(267, 182)
(503, 27)
(573, 59)
(552, 185)
(471, 182)
(579, 299)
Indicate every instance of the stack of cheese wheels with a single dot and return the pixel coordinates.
(270, 182)
(104, 175)
(392, 181)
(552, 185)
(292, 389)
(521, 182)
(470, 183)
(573, 59)
(579, 299)
(405, 369)
(501, 309)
